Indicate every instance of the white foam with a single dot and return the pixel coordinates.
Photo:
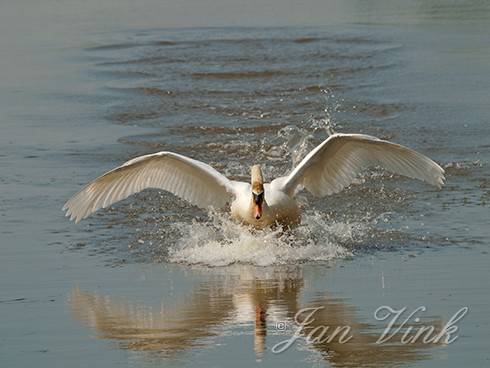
(223, 242)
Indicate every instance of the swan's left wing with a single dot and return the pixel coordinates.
(192, 180)
(335, 163)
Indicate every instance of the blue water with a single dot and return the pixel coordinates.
(154, 281)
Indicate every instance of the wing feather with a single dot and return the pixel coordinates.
(187, 178)
(336, 162)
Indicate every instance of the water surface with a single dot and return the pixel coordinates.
(154, 281)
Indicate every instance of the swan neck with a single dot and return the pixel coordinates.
(257, 180)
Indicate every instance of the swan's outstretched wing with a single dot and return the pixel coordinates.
(335, 163)
(189, 179)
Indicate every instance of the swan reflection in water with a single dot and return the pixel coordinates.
(250, 298)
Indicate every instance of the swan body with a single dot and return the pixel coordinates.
(329, 168)
(278, 207)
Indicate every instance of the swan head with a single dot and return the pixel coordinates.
(257, 192)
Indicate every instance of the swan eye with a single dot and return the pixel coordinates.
(258, 198)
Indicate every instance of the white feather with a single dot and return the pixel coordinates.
(189, 179)
(336, 162)
(329, 168)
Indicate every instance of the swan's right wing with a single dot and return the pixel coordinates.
(335, 163)
(187, 178)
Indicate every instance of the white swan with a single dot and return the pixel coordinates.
(329, 168)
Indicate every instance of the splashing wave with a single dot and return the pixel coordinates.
(224, 242)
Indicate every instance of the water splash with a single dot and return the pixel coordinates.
(224, 242)
(296, 141)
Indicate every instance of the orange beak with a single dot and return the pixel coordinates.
(258, 210)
